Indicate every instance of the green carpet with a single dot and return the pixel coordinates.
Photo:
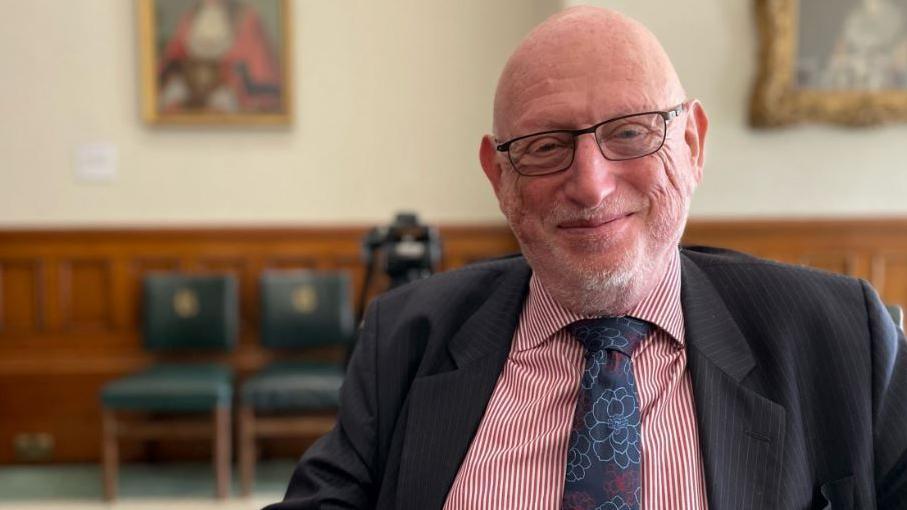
(74, 482)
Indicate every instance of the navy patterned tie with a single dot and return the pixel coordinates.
(603, 460)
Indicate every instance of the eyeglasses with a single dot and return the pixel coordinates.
(619, 139)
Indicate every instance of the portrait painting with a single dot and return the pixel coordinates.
(215, 61)
(839, 61)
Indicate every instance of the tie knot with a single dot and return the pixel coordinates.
(610, 333)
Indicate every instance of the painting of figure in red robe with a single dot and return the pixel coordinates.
(213, 61)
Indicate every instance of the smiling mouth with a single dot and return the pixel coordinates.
(593, 223)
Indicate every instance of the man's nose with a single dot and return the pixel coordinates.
(590, 179)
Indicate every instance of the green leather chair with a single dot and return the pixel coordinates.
(194, 314)
(299, 309)
(897, 314)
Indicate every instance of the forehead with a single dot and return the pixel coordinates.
(576, 90)
(572, 101)
(580, 70)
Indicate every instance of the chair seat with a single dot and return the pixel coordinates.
(294, 387)
(178, 388)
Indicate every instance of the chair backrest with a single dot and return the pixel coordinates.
(897, 314)
(301, 308)
(190, 311)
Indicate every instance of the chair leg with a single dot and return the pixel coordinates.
(222, 438)
(247, 449)
(109, 453)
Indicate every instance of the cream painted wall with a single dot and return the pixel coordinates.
(800, 171)
(392, 97)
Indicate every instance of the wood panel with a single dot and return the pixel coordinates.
(70, 300)
(869, 249)
(65, 405)
(85, 291)
(22, 295)
(834, 262)
(892, 276)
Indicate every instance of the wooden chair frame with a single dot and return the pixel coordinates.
(253, 427)
(218, 429)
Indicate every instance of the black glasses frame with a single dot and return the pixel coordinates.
(666, 116)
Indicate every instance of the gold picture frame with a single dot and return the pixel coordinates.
(779, 97)
(225, 62)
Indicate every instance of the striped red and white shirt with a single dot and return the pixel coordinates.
(518, 457)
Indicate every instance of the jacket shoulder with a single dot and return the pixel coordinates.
(721, 260)
(764, 293)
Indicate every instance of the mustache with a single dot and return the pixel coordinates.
(562, 213)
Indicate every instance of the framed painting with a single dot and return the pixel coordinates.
(215, 61)
(836, 61)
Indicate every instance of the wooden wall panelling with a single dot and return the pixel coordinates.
(842, 263)
(858, 248)
(464, 246)
(56, 351)
(341, 261)
(860, 264)
(85, 287)
(291, 262)
(23, 295)
(63, 405)
(892, 284)
(119, 274)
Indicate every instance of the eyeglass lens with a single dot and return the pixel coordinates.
(619, 139)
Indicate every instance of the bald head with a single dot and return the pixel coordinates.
(598, 232)
(587, 47)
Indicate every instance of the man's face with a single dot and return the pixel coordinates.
(599, 233)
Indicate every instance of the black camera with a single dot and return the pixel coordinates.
(406, 250)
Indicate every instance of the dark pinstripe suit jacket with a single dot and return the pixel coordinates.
(799, 379)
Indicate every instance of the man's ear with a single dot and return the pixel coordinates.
(488, 156)
(694, 136)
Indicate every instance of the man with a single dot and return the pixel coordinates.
(608, 369)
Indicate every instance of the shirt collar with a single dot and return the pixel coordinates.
(543, 316)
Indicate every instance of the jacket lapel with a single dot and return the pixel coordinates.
(741, 432)
(444, 409)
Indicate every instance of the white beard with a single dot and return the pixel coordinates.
(589, 290)
(586, 287)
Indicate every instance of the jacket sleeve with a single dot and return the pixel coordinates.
(889, 396)
(338, 470)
